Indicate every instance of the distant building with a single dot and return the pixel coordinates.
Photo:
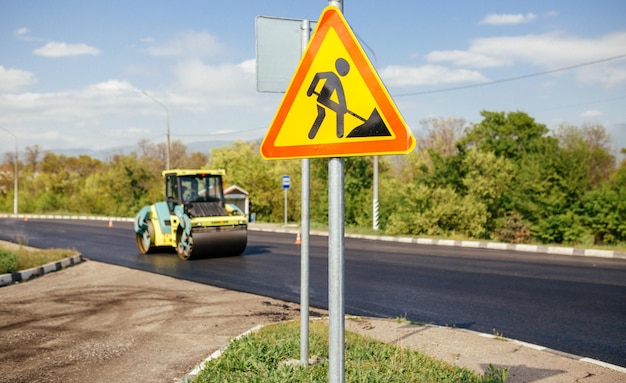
(238, 197)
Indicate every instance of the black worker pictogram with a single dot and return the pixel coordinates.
(373, 126)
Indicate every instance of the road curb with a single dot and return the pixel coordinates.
(28, 274)
(462, 243)
(26, 217)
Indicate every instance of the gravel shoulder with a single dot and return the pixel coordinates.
(103, 323)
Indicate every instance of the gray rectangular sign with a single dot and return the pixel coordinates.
(278, 52)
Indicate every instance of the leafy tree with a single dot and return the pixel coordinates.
(487, 180)
(7, 180)
(153, 156)
(511, 135)
(604, 210)
(438, 212)
(121, 189)
(589, 148)
(31, 160)
(246, 168)
(447, 171)
(358, 189)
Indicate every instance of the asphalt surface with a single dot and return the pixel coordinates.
(101, 323)
(567, 303)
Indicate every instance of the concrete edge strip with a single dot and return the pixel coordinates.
(192, 375)
(66, 217)
(28, 274)
(417, 240)
(552, 351)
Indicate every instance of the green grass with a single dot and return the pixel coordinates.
(261, 356)
(15, 258)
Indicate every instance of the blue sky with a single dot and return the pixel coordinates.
(72, 73)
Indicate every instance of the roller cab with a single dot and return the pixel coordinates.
(194, 218)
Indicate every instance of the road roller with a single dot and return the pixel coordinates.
(194, 218)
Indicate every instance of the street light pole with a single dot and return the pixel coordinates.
(167, 114)
(14, 172)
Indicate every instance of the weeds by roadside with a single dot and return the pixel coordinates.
(16, 258)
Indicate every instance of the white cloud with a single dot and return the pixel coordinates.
(609, 75)
(112, 96)
(63, 49)
(113, 111)
(188, 44)
(468, 58)
(395, 75)
(12, 80)
(118, 113)
(21, 33)
(591, 113)
(508, 19)
(111, 86)
(224, 84)
(547, 51)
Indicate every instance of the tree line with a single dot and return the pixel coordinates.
(506, 178)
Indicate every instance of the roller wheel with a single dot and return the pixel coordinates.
(183, 252)
(144, 240)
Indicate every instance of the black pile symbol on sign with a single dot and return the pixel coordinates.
(372, 126)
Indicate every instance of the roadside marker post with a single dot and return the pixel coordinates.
(286, 186)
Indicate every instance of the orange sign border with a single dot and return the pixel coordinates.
(403, 143)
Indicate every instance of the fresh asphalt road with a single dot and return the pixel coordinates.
(571, 304)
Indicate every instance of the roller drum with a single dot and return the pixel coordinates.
(219, 241)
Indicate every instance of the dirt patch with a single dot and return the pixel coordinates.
(103, 323)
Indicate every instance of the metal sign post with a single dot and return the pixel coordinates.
(336, 315)
(305, 228)
(336, 342)
(280, 44)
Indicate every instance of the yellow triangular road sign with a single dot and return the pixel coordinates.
(336, 105)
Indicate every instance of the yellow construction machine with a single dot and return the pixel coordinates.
(194, 217)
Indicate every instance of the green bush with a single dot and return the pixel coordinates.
(8, 262)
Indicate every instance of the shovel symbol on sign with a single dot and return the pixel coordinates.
(372, 126)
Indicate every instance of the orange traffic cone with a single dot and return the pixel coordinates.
(25, 218)
(298, 239)
(110, 222)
